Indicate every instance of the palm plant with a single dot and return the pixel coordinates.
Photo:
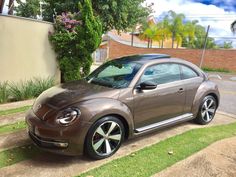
(233, 27)
(189, 32)
(150, 33)
(175, 25)
(163, 32)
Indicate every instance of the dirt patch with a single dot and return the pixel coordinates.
(11, 119)
(217, 160)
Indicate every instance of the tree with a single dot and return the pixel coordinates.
(163, 32)
(114, 14)
(1, 5)
(228, 45)
(29, 8)
(151, 34)
(233, 27)
(10, 6)
(175, 25)
(189, 33)
(76, 37)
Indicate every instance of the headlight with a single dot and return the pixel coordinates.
(68, 116)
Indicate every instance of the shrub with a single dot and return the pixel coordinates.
(4, 92)
(24, 90)
(75, 38)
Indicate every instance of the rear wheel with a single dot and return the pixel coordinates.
(207, 110)
(104, 137)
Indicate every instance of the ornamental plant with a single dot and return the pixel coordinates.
(76, 36)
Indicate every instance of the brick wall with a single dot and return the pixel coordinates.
(213, 58)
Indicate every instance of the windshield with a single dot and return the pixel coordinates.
(114, 74)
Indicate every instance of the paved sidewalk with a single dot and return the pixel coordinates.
(17, 104)
(51, 165)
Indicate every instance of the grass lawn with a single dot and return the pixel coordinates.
(153, 159)
(12, 156)
(12, 127)
(221, 70)
(13, 111)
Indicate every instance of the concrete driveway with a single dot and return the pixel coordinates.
(227, 87)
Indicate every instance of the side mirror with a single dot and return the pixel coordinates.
(147, 85)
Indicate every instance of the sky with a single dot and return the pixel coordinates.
(216, 13)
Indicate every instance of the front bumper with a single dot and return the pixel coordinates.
(56, 138)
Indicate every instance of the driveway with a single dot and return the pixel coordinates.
(227, 87)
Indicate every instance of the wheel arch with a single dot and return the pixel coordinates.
(205, 89)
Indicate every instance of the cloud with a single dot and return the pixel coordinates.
(228, 5)
(217, 17)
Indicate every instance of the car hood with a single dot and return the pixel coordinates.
(73, 92)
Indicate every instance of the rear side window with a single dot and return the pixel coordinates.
(188, 72)
(162, 73)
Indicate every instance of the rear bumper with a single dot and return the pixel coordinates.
(55, 138)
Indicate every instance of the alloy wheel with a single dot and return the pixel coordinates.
(106, 138)
(208, 109)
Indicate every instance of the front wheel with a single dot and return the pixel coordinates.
(207, 110)
(104, 137)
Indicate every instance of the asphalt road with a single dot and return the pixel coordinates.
(227, 89)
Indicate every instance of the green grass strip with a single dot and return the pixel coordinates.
(153, 159)
(9, 128)
(13, 111)
(221, 70)
(15, 155)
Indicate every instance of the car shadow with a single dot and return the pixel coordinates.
(49, 160)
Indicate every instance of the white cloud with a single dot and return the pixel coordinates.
(216, 17)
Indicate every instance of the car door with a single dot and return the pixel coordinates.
(164, 102)
(191, 81)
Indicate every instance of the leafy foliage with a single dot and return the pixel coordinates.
(4, 92)
(228, 45)
(24, 90)
(114, 14)
(28, 8)
(76, 37)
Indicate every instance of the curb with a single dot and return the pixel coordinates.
(15, 105)
(227, 114)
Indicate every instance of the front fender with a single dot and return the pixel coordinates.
(94, 109)
(206, 88)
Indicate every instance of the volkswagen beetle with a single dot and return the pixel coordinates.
(121, 99)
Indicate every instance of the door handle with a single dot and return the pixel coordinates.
(181, 90)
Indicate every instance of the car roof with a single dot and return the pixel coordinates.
(144, 57)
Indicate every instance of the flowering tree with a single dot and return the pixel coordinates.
(76, 37)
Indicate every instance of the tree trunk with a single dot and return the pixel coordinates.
(150, 43)
(173, 40)
(11, 7)
(162, 43)
(1, 5)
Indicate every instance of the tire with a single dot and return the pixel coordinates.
(104, 138)
(206, 111)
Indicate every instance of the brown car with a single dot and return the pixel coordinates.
(121, 99)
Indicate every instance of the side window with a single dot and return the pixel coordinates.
(161, 73)
(188, 72)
